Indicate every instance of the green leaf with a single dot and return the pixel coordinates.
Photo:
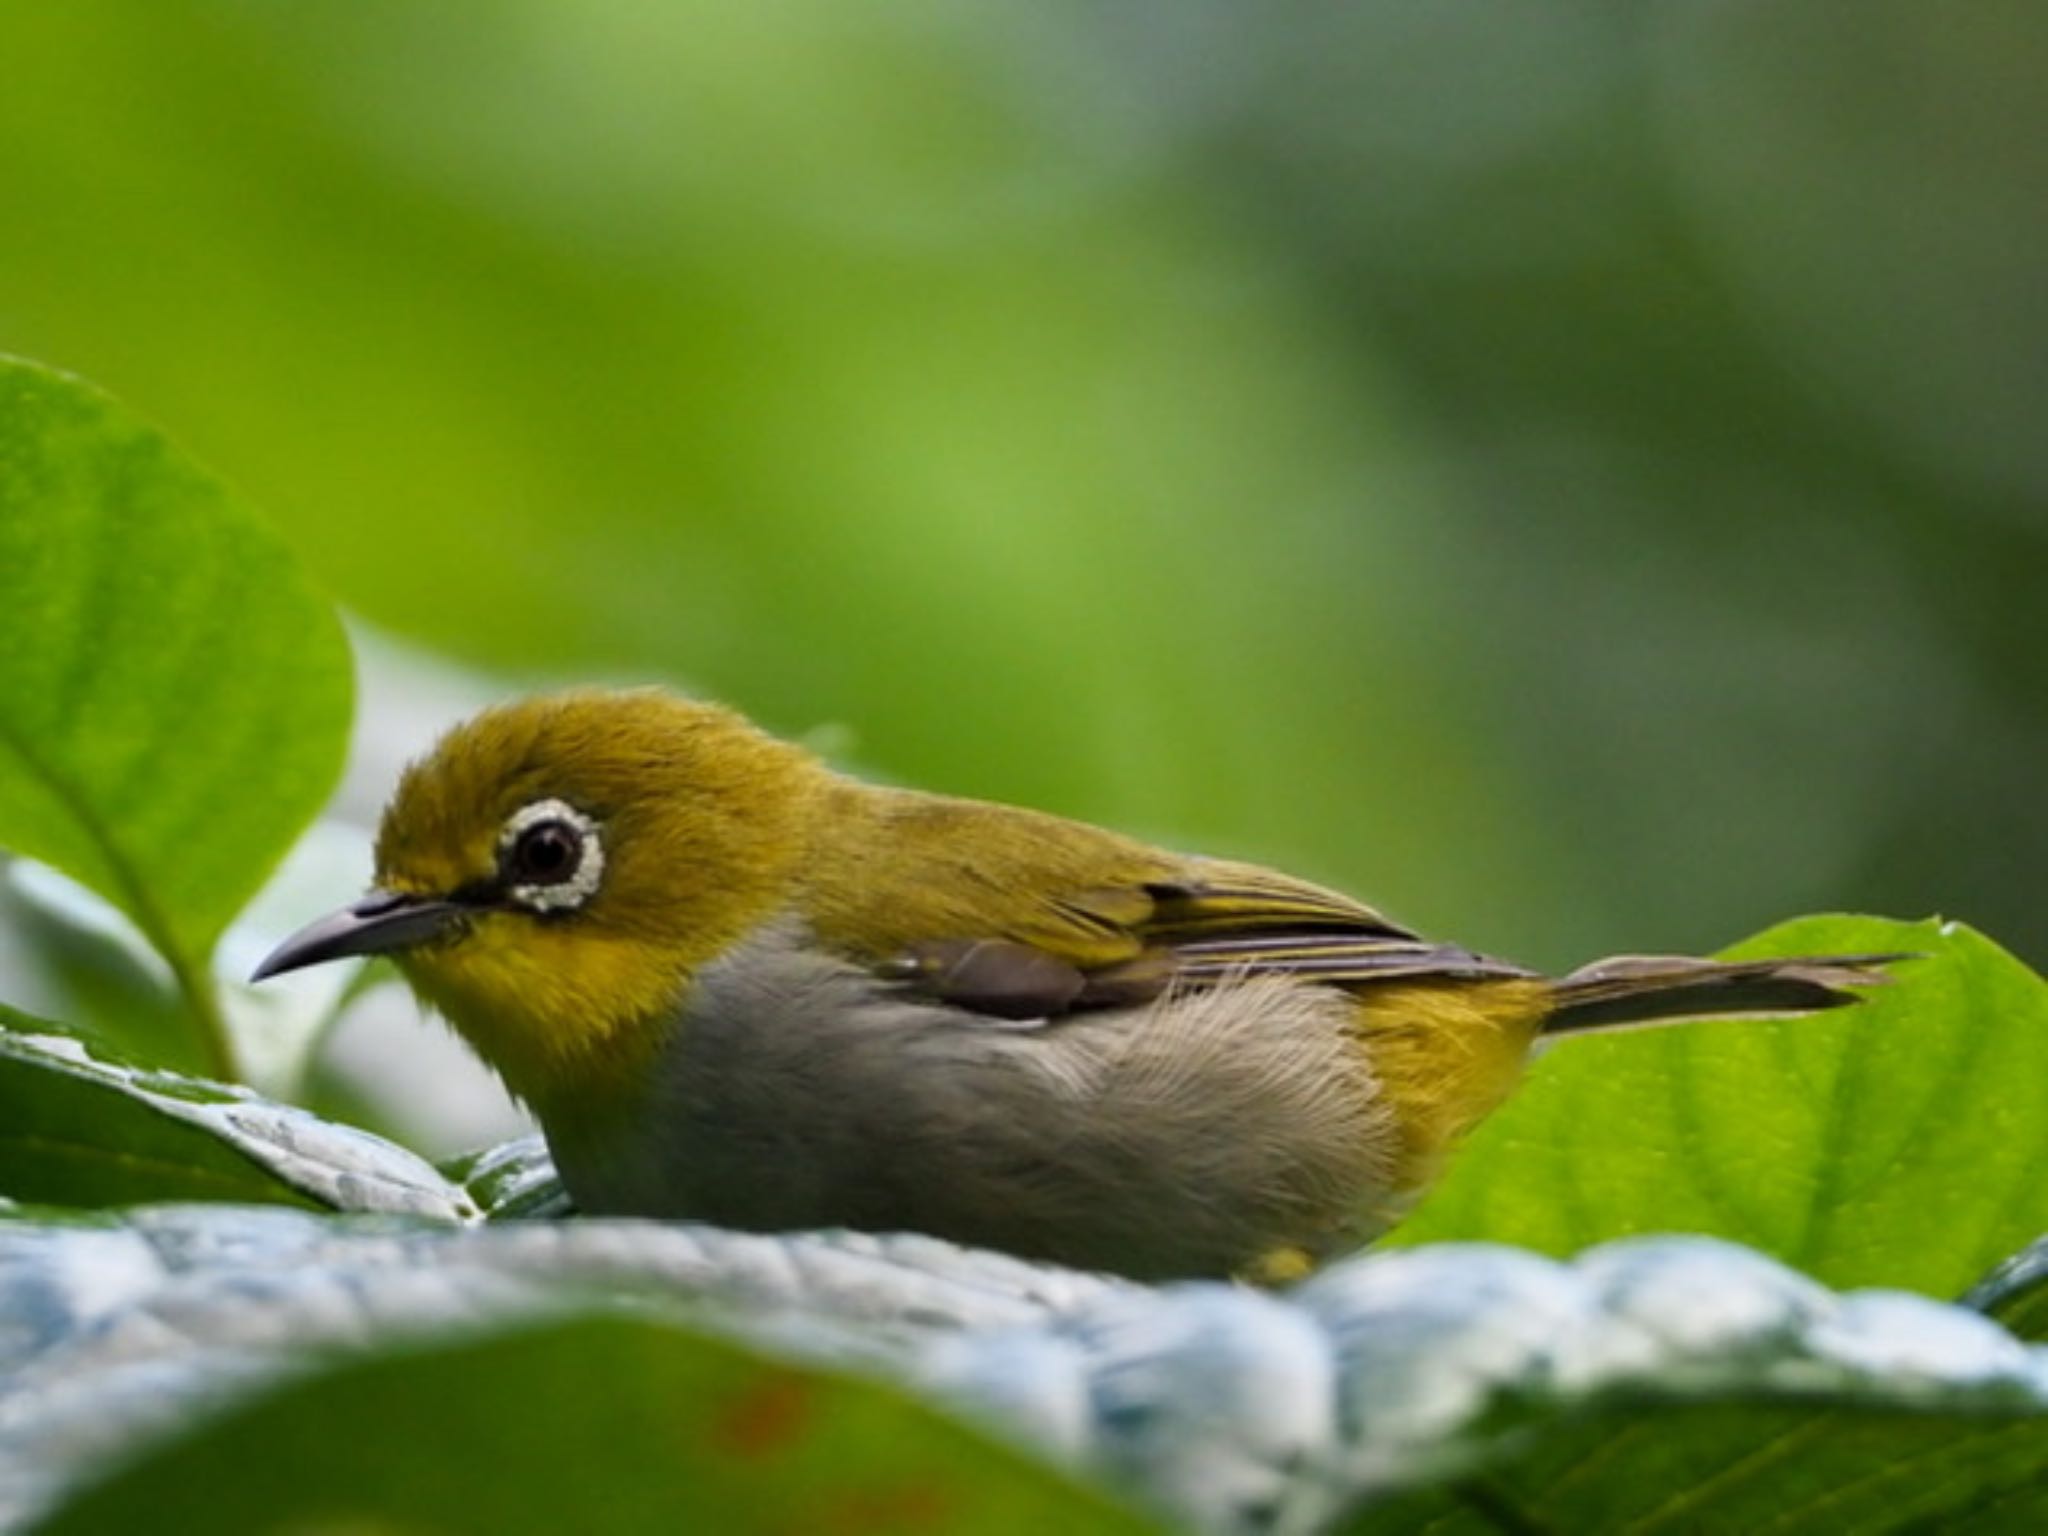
(1682, 1383)
(599, 1425)
(174, 697)
(1896, 1143)
(1752, 1467)
(2016, 1292)
(80, 1130)
(513, 1181)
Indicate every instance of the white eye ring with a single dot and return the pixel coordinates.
(582, 883)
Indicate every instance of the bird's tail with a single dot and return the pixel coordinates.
(1629, 990)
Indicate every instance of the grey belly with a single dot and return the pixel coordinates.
(1187, 1137)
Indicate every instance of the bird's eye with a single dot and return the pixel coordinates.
(550, 857)
(546, 854)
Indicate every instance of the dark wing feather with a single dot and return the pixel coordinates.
(1335, 958)
(1193, 932)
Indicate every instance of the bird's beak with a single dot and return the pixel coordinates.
(382, 921)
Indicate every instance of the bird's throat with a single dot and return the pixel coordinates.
(572, 1030)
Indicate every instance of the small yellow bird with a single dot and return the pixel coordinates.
(738, 987)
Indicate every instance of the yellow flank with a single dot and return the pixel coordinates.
(1279, 1266)
(1447, 1054)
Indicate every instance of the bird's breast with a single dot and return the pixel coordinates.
(1193, 1135)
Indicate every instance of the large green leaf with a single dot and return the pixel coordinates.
(174, 697)
(1678, 1468)
(1678, 1383)
(594, 1426)
(80, 1130)
(1897, 1143)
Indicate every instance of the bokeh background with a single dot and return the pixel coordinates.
(1576, 475)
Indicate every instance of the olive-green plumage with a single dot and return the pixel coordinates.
(739, 987)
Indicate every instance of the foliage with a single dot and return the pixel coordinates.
(1753, 1466)
(174, 698)
(1890, 1145)
(1829, 1142)
(1680, 1380)
(1571, 475)
(82, 1131)
(509, 1435)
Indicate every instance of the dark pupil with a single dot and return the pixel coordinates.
(547, 853)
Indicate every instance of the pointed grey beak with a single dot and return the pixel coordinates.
(382, 921)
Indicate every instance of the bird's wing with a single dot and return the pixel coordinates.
(1188, 933)
(1017, 916)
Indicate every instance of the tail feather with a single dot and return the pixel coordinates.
(1627, 990)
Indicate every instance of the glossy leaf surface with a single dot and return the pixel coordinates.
(79, 1130)
(1839, 1143)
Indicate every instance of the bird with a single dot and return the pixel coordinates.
(739, 987)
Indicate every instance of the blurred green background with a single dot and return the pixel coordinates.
(1576, 475)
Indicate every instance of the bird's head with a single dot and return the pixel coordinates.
(553, 872)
